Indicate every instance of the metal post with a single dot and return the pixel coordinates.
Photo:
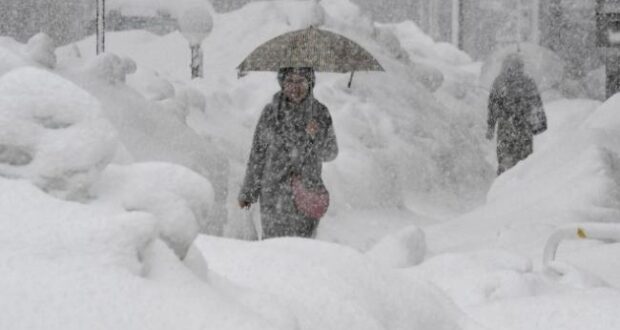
(100, 26)
(612, 72)
(607, 23)
(600, 231)
(196, 63)
(456, 23)
(460, 12)
(536, 21)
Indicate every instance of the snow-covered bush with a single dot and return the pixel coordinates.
(483, 276)
(195, 24)
(192, 98)
(81, 266)
(329, 286)
(9, 60)
(159, 89)
(41, 49)
(111, 68)
(58, 140)
(178, 198)
(405, 248)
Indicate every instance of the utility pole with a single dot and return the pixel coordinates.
(457, 23)
(100, 27)
(608, 37)
(555, 25)
(536, 21)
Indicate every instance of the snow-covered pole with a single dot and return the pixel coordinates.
(602, 231)
(100, 26)
(195, 24)
(536, 21)
(456, 23)
(197, 61)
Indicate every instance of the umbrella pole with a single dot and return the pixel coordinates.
(350, 79)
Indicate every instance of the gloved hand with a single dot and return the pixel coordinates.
(244, 204)
(312, 128)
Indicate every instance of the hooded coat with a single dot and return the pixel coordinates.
(281, 148)
(514, 96)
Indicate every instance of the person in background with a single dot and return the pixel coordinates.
(292, 139)
(515, 106)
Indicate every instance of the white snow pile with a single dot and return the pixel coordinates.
(329, 286)
(111, 68)
(405, 248)
(178, 198)
(572, 178)
(61, 142)
(78, 269)
(58, 140)
(39, 51)
(92, 263)
(152, 127)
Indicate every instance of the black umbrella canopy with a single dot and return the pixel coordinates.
(322, 50)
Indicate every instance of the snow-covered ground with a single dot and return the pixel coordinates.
(113, 168)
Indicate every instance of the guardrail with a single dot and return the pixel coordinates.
(600, 231)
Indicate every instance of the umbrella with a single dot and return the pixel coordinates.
(322, 50)
(542, 64)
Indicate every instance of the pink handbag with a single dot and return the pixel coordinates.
(312, 203)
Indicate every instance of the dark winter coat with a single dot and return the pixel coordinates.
(282, 147)
(513, 97)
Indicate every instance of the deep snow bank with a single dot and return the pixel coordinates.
(108, 261)
(328, 286)
(571, 178)
(78, 269)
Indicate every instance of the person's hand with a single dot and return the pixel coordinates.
(312, 128)
(244, 204)
(490, 133)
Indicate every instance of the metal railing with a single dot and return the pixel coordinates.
(599, 231)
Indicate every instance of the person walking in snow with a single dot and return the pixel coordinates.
(516, 107)
(292, 139)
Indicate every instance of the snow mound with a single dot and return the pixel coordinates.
(80, 269)
(332, 287)
(156, 130)
(422, 47)
(39, 52)
(111, 68)
(406, 248)
(483, 276)
(59, 140)
(178, 198)
(595, 310)
(40, 48)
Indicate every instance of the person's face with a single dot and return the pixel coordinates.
(295, 87)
